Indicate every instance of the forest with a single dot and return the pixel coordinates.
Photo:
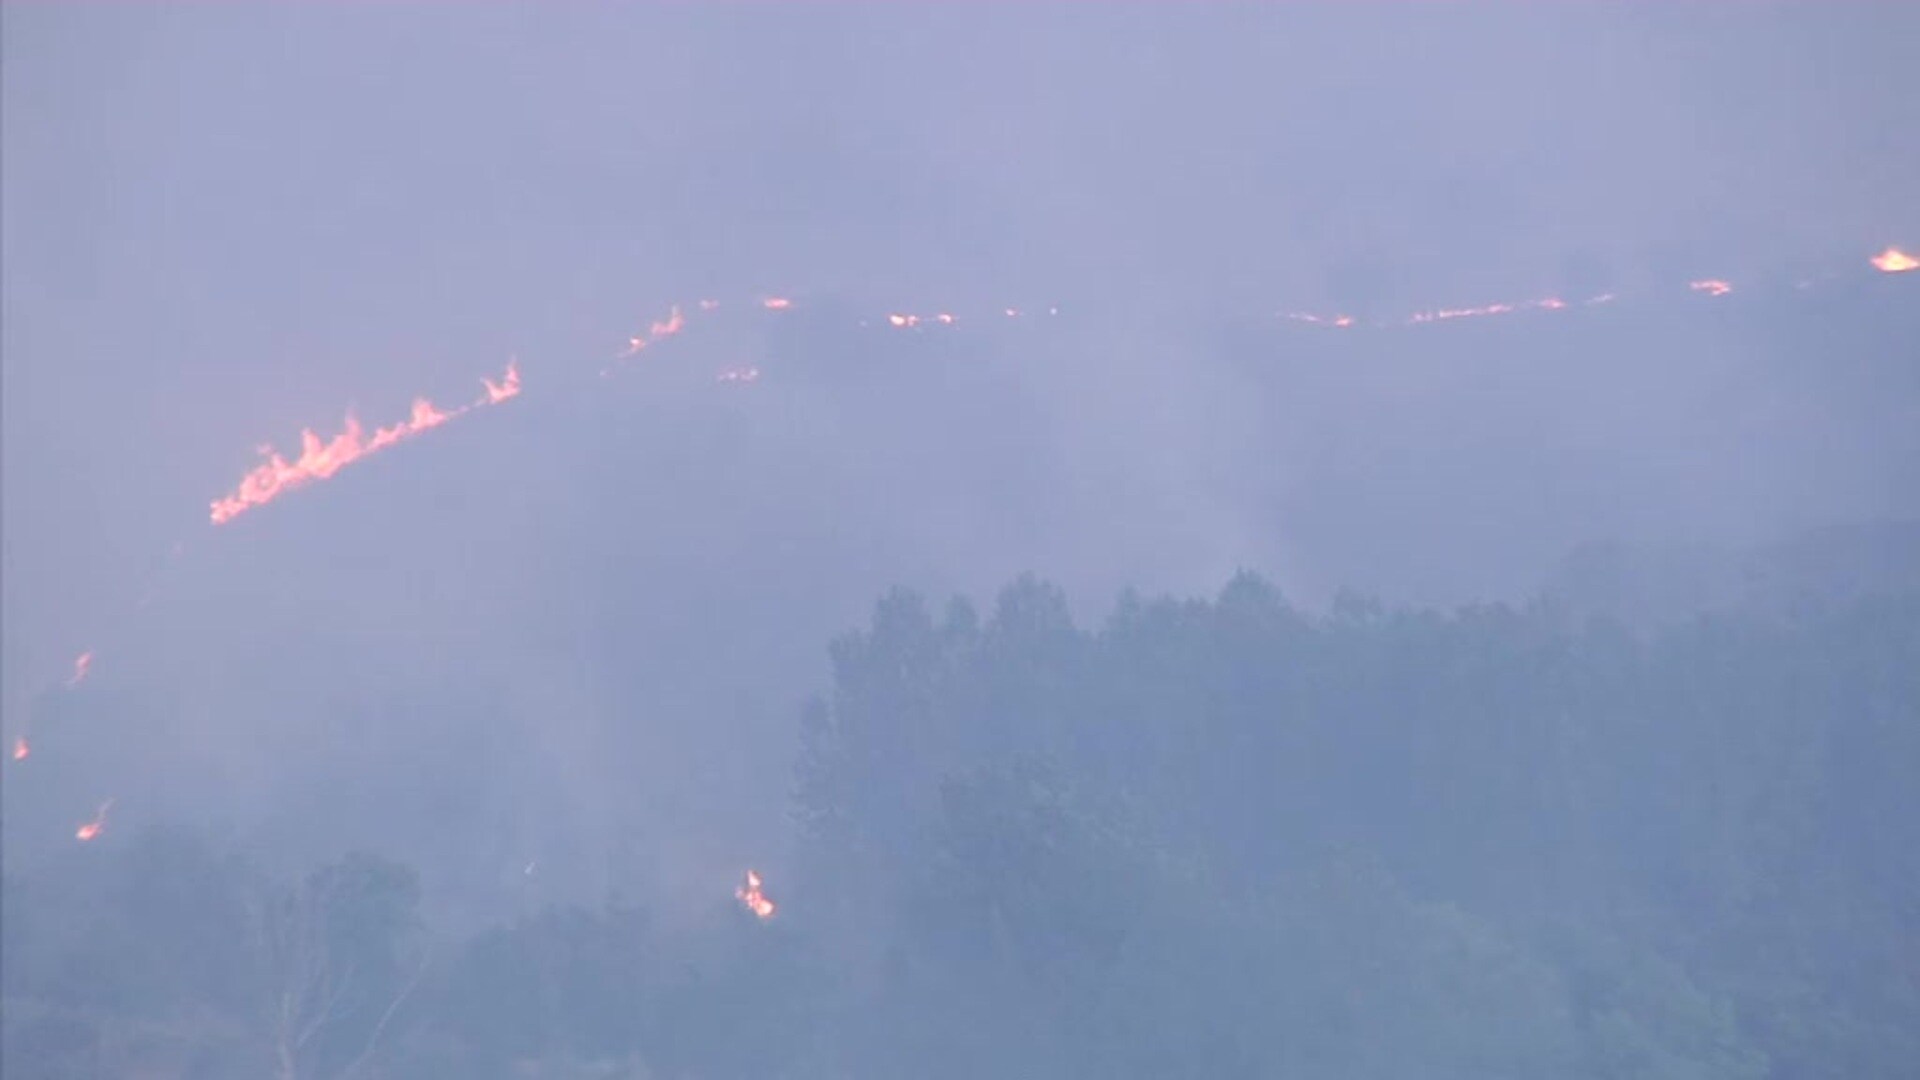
(1215, 837)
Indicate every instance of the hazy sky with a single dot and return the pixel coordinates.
(225, 222)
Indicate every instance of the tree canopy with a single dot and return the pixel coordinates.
(1222, 838)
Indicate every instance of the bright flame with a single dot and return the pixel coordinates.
(1318, 320)
(659, 328)
(776, 303)
(1711, 286)
(91, 829)
(1894, 261)
(1443, 314)
(319, 459)
(755, 900)
(21, 749)
(81, 665)
(508, 386)
(424, 416)
(944, 318)
(1545, 303)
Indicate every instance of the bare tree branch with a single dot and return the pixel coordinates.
(373, 1040)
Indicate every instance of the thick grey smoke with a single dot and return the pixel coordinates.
(222, 224)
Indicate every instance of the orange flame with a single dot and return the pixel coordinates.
(1318, 320)
(320, 460)
(659, 328)
(317, 461)
(1894, 261)
(21, 749)
(424, 416)
(508, 386)
(89, 830)
(81, 665)
(755, 900)
(944, 318)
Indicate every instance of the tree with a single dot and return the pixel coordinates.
(333, 963)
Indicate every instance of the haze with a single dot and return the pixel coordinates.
(594, 651)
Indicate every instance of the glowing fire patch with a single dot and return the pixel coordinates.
(1894, 261)
(776, 303)
(1711, 286)
(755, 900)
(508, 386)
(1318, 320)
(81, 665)
(319, 459)
(659, 328)
(944, 318)
(21, 749)
(91, 829)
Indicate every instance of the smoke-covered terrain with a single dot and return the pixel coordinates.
(1027, 542)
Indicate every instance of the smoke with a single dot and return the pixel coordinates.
(223, 226)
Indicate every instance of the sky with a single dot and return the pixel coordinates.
(220, 224)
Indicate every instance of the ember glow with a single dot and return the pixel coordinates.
(319, 459)
(776, 303)
(1894, 261)
(1711, 286)
(755, 900)
(81, 665)
(89, 830)
(21, 749)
